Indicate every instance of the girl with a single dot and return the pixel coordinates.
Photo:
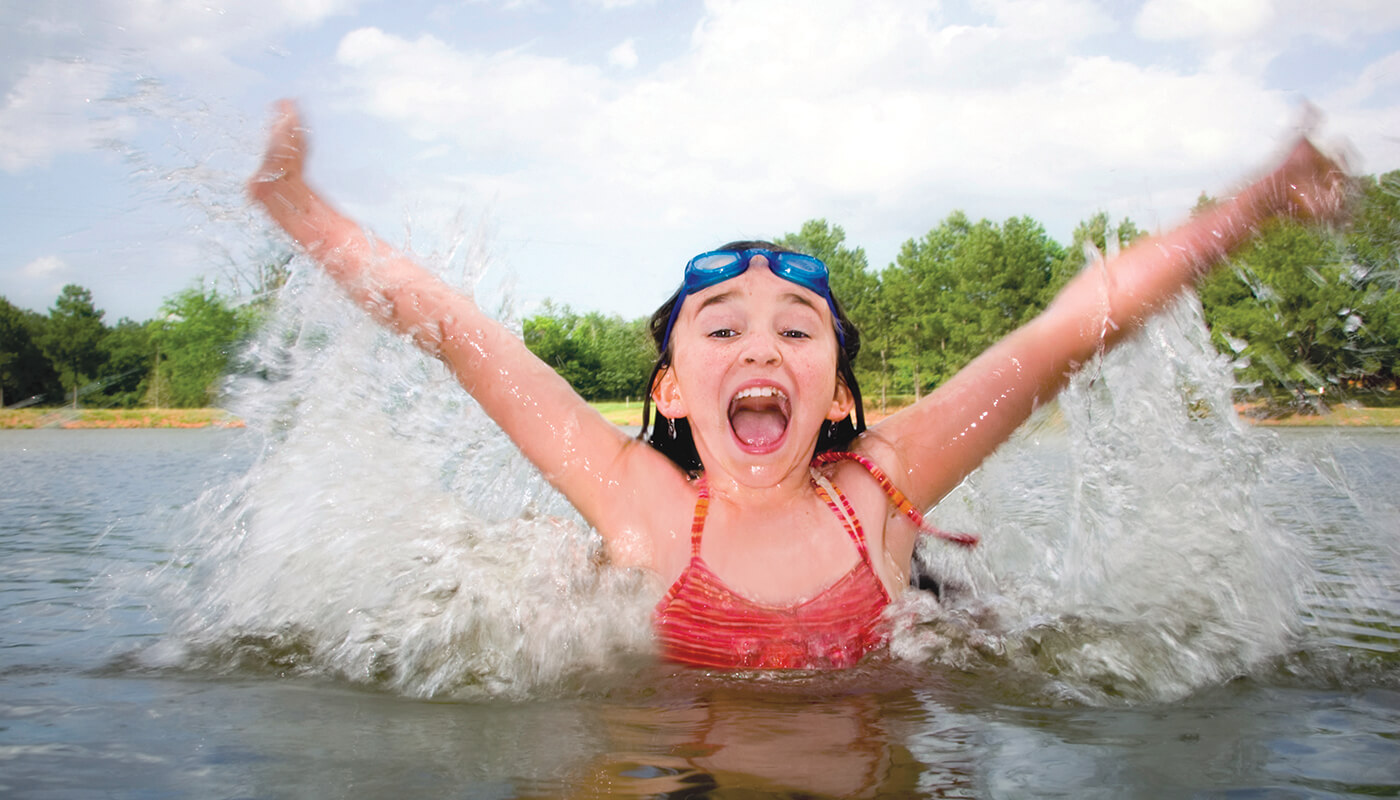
(773, 558)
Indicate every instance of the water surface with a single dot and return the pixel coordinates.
(98, 702)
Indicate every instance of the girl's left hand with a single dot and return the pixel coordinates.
(1307, 185)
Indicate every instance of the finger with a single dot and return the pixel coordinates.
(286, 108)
(1310, 118)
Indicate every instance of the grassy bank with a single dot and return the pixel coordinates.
(619, 413)
(1339, 416)
(29, 418)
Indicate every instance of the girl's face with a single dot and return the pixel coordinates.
(753, 367)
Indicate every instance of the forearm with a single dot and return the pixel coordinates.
(537, 408)
(1108, 301)
(392, 287)
(593, 462)
(948, 434)
(1116, 299)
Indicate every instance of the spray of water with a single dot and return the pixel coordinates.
(1136, 546)
(1129, 555)
(388, 533)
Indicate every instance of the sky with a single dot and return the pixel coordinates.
(589, 147)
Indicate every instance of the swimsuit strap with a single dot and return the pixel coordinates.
(896, 496)
(848, 518)
(702, 507)
(844, 512)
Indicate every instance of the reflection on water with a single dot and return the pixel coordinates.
(374, 595)
(85, 712)
(729, 738)
(848, 735)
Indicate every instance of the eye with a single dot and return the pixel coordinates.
(794, 333)
(723, 333)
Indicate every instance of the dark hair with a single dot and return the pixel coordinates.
(673, 439)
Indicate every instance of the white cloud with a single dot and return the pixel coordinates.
(180, 33)
(1337, 21)
(48, 111)
(507, 99)
(608, 5)
(1379, 77)
(880, 115)
(1190, 19)
(44, 267)
(1269, 22)
(1051, 21)
(876, 113)
(624, 55)
(65, 97)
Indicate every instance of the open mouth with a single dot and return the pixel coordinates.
(758, 416)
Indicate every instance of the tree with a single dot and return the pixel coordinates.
(1314, 317)
(999, 280)
(195, 336)
(853, 284)
(1373, 242)
(1374, 234)
(130, 359)
(1092, 236)
(26, 376)
(550, 336)
(1288, 307)
(962, 287)
(851, 279)
(72, 338)
(625, 354)
(602, 357)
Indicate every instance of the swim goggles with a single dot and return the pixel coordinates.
(718, 266)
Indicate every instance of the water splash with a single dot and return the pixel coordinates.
(1138, 546)
(389, 533)
(1139, 543)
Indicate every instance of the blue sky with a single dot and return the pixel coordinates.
(592, 146)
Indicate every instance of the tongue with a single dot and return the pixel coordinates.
(758, 428)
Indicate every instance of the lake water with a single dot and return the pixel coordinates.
(368, 593)
(125, 673)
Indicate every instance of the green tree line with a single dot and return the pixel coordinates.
(70, 356)
(1309, 315)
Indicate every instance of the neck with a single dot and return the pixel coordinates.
(795, 485)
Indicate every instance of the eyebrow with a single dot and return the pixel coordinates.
(724, 297)
(714, 299)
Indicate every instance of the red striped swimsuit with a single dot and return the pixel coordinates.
(704, 623)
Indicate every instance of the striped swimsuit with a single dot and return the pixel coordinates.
(704, 623)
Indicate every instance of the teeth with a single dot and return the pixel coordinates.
(761, 391)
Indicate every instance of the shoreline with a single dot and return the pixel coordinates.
(618, 413)
(116, 418)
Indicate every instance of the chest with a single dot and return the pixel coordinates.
(782, 555)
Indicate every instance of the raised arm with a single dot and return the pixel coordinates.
(933, 445)
(597, 466)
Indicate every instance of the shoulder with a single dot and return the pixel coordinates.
(888, 529)
(648, 525)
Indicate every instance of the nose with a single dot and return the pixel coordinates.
(762, 348)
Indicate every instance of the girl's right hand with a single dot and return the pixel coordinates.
(285, 157)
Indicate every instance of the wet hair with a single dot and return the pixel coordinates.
(672, 437)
